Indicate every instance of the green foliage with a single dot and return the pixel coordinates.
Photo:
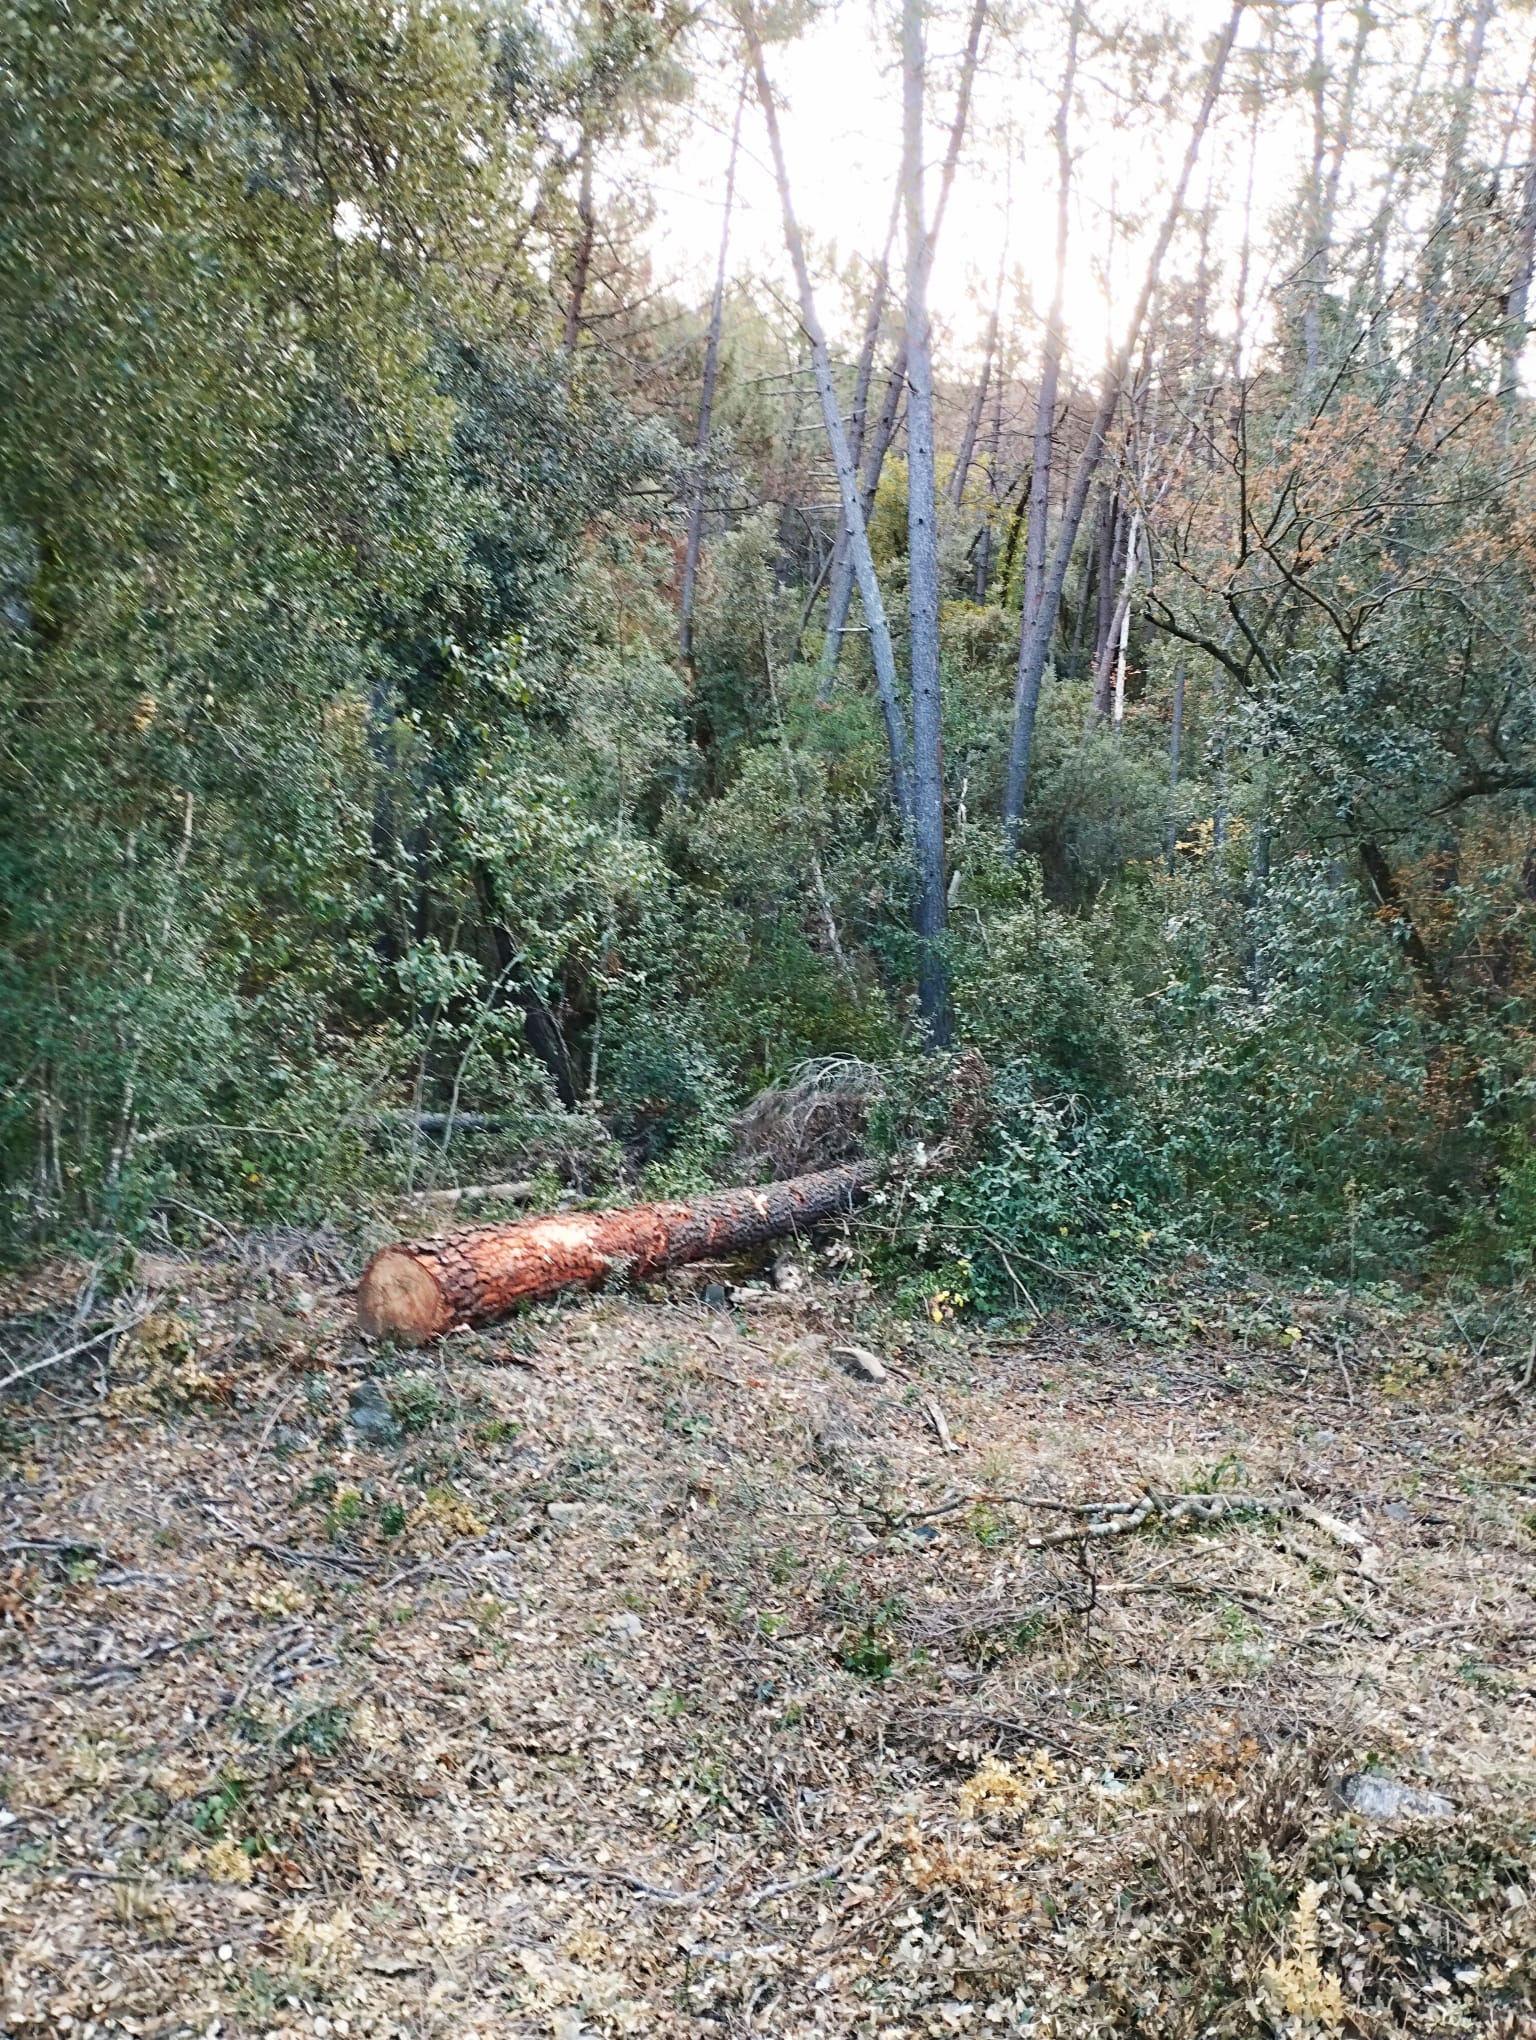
(364, 828)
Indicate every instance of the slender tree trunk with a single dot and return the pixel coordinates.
(838, 568)
(512, 981)
(1437, 243)
(1080, 621)
(973, 417)
(707, 403)
(1035, 637)
(923, 560)
(1055, 342)
(840, 597)
(1175, 751)
(1118, 581)
(586, 238)
(837, 438)
(1516, 330)
(960, 472)
(1111, 536)
(1123, 625)
(842, 586)
(1343, 140)
(994, 454)
(1310, 284)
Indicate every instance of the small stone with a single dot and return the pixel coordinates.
(860, 1539)
(1375, 1797)
(627, 1627)
(565, 1514)
(716, 1295)
(961, 1675)
(226, 1953)
(863, 1363)
(372, 1418)
(788, 1275)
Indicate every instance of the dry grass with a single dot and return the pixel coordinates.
(629, 1693)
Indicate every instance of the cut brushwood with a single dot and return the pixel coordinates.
(420, 1289)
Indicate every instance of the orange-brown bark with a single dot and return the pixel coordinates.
(420, 1289)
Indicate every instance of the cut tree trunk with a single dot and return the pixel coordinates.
(420, 1289)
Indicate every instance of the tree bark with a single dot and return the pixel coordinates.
(1516, 330)
(985, 537)
(586, 239)
(1055, 342)
(1035, 636)
(837, 438)
(419, 1289)
(707, 406)
(923, 560)
(838, 568)
(840, 599)
(962, 468)
(842, 584)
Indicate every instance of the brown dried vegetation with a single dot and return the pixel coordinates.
(624, 1688)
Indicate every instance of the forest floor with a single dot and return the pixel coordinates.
(605, 1674)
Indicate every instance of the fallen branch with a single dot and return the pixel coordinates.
(1120, 1518)
(73, 1352)
(131, 1667)
(285, 1554)
(656, 1893)
(821, 1874)
(420, 1289)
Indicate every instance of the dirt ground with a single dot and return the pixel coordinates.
(646, 1667)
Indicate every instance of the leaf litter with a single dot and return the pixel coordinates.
(680, 1683)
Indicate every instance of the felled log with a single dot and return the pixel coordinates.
(419, 1289)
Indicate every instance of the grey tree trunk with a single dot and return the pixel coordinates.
(840, 597)
(837, 438)
(839, 568)
(707, 404)
(586, 238)
(1055, 341)
(984, 538)
(1516, 329)
(923, 560)
(973, 417)
(1035, 636)
(842, 585)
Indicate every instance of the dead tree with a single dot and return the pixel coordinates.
(416, 1291)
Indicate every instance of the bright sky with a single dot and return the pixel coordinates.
(839, 92)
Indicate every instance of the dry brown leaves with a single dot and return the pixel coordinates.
(628, 1692)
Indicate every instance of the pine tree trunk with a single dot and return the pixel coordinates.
(419, 1289)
